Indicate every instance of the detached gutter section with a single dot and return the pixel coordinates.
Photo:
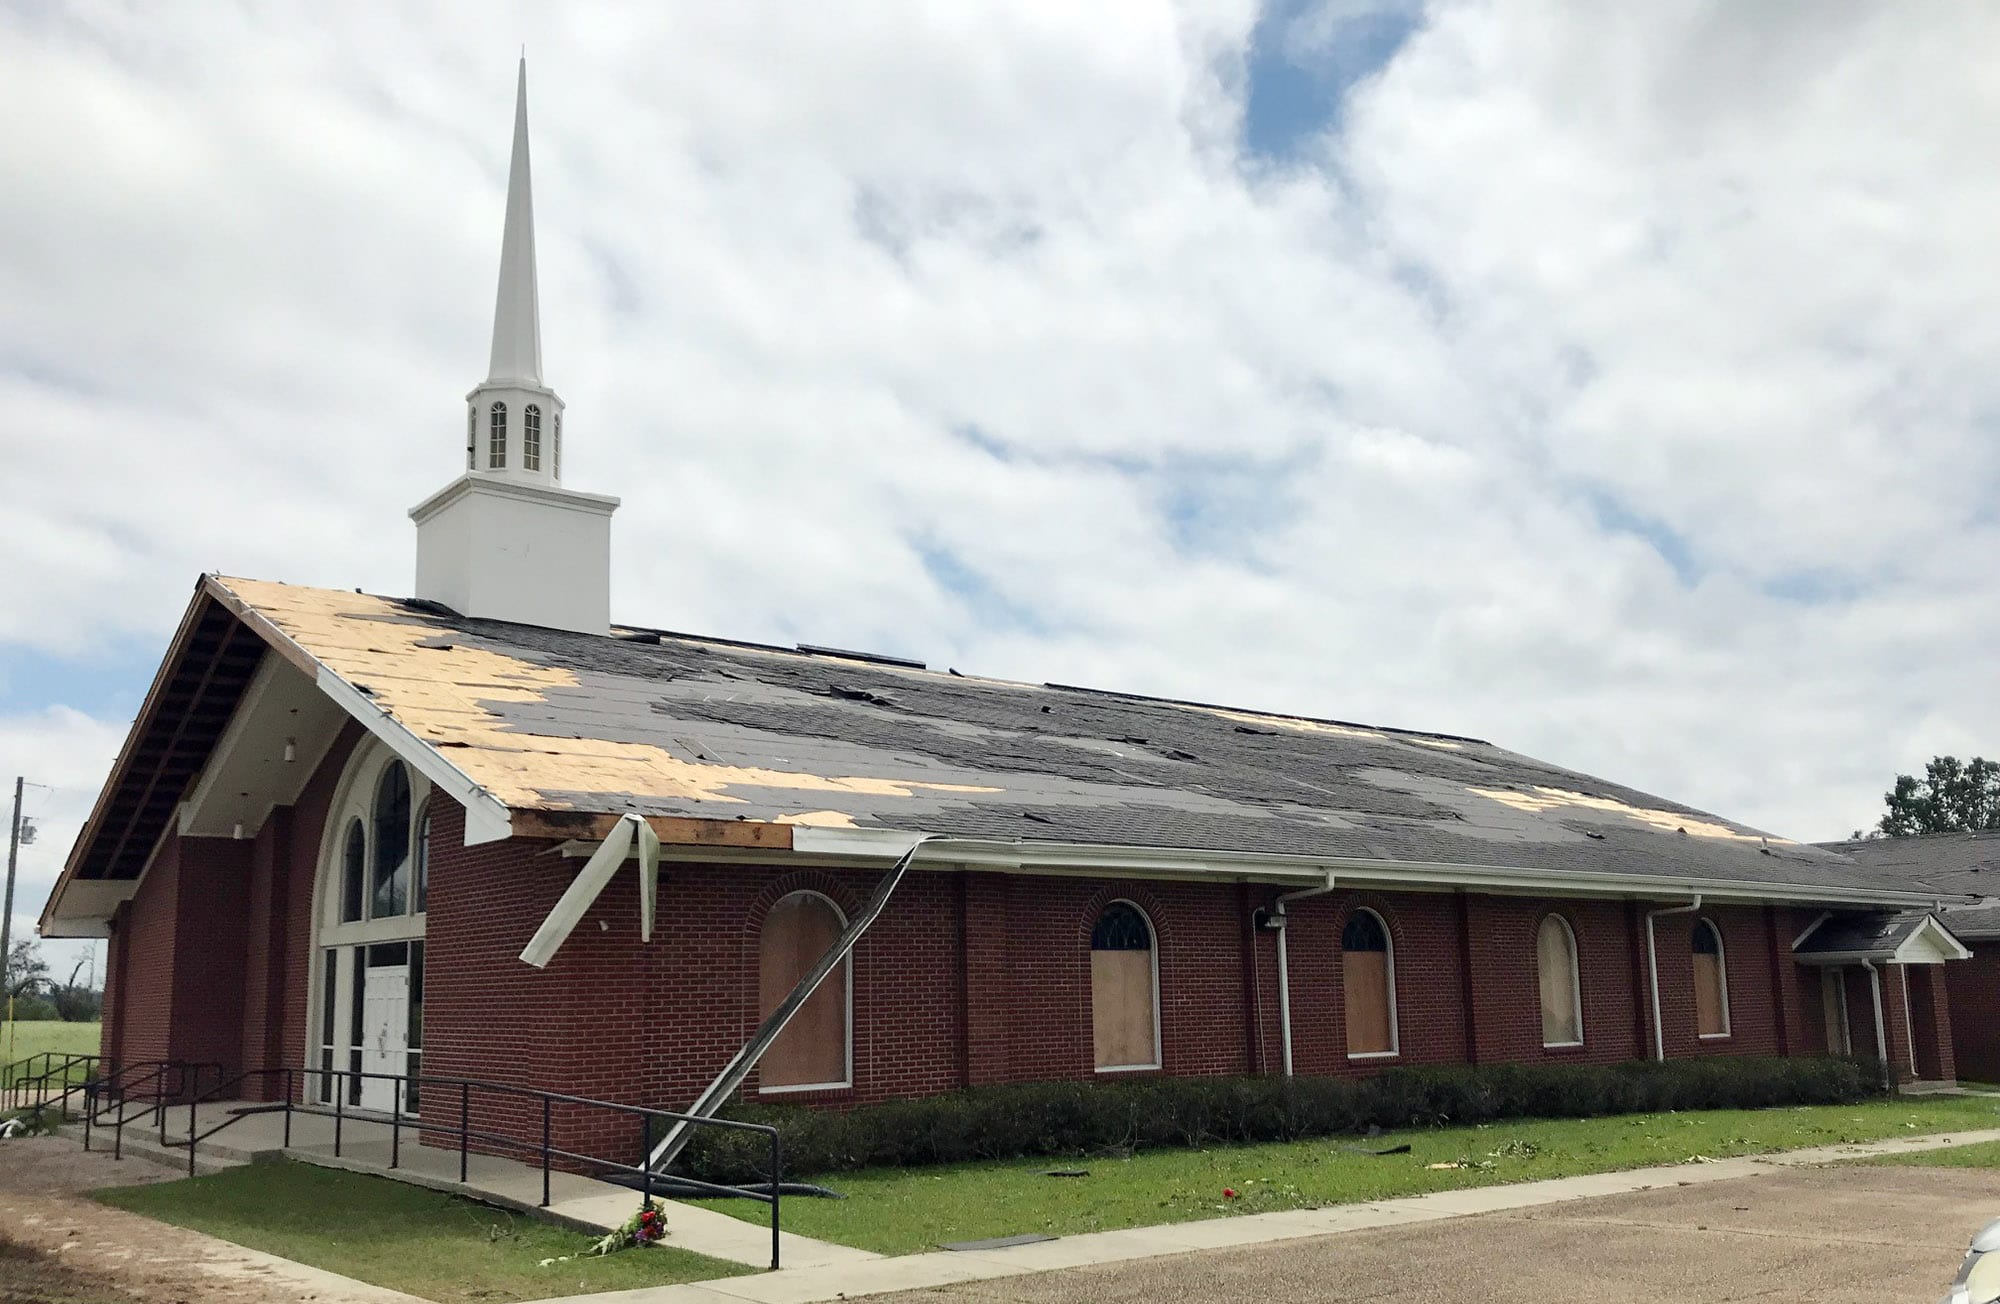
(1653, 973)
(1284, 965)
(1881, 1035)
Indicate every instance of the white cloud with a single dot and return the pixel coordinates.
(1339, 436)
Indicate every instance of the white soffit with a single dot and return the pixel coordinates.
(248, 775)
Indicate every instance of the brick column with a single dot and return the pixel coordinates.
(987, 979)
(1930, 1017)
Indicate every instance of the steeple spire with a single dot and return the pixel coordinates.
(517, 312)
(505, 540)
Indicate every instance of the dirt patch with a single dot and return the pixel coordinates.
(58, 1246)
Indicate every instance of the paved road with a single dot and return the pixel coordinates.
(1847, 1235)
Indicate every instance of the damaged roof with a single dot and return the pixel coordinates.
(1950, 864)
(559, 725)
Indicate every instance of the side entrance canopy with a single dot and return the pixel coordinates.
(1904, 937)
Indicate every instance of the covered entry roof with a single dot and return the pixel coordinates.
(546, 733)
(1905, 937)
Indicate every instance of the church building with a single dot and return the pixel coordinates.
(487, 832)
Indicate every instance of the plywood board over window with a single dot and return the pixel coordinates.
(1124, 990)
(812, 1051)
(1562, 1007)
(1368, 977)
(1711, 981)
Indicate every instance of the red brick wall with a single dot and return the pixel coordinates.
(1974, 996)
(209, 959)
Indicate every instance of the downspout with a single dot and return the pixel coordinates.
(1881, 1036)
(1284, 964)
(1653, 970)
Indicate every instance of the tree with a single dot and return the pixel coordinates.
(24, 971)
(74, 1002)
(1953, 797)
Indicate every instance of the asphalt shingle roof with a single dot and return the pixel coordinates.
(664, 724)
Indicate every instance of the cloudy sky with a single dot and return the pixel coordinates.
(1615, 382)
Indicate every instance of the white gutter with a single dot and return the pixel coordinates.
(1233, 866)
(1881, 1036)
(1284, 964)
(1653, 969)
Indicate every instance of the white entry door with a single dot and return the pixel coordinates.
(385, 1032)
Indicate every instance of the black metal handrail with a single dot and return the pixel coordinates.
(120, 1092)
(18, 1077)
(401, 1119)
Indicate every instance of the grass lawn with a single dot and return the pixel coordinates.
(900, 1211)
(20, 1040)
(1986, 1155)
(404, 1237)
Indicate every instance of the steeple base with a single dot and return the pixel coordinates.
(531, 554)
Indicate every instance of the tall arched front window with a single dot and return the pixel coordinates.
(1124, 990)
(813, 1050)
(1368, 977)
(496, 436)
(531, 438)
(1711, 981)
(1562, 997)
(390, 894)
(353, 872)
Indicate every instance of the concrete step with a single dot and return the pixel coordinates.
(144, 1145)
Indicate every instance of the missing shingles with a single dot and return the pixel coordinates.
(849, 694)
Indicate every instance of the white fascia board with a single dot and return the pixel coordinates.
(1230, 866)
(486, 818)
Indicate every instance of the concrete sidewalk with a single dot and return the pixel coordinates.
(918, 1271)
(368, 1146)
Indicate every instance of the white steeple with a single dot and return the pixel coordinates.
(505, 540)
(517, 313)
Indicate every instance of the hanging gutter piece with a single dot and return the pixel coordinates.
(590, 882)
(738, 1068)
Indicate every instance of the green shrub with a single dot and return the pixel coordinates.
(1096, 1118)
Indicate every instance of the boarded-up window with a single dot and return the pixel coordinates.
(1124, 1016)
(1368, 973)
(1711, 982)
(812, 1050)
(1562, 1006)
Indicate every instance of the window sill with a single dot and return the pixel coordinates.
(1128, 1068)
(810, 1086)
(1712, 1036)
(1562, 1045)
(1373, 1054)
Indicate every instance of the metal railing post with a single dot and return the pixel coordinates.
(545, 1151)
(291, 1089)
(191, 1108)
(777, 1193)
(395, 1123)
(464, 1129)
(89, 1108)
(339, 1112)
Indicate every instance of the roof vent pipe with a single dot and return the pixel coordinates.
(1284, 965)
(1653, 969)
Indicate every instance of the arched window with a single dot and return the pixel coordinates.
(1368, 975)
(496, 436)
(1711, 981)
(813, 1050)
(471, 436)
(1562, 997)
(353, 872)
(531, 438)
(420, 860)
(555, 433)
(1124, 990)
(391, 820)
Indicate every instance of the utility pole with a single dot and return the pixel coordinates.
(13, 855)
